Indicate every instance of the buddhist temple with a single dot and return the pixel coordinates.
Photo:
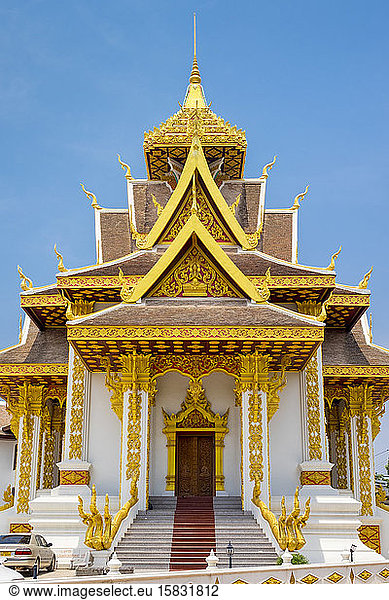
(197, 377)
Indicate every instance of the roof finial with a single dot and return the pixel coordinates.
(195, 74)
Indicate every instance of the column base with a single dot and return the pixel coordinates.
(316, 473)
(73, 478)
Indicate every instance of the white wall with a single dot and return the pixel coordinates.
(104, 433)
(286, 439)
(171, 393)
(7, 474)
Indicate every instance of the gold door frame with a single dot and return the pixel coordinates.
(194, 417)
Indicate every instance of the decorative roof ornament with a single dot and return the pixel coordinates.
(263, 289)
(125, 168)
(298, 198)
(25, 282)
(334, 257)
(126, 291)
(323, 314)
(371, 328)
(157, 205)
(234, 206)
(268, 167)
(91, 197)
(61, 267)
(363, 283)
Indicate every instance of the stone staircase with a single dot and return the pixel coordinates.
(147, 544)
(251, 546)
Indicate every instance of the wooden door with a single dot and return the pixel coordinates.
(195, 465)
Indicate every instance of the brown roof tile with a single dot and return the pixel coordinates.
(115, 234)
(198, 312)
(49, 346)
(276, 238)
(342, 347)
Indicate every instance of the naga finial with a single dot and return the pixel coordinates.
(268, 167)
(298, 198)
(126, 291)
(25, 282)
(91, 197)
(157, 205)
(125, 168)
(363, 283)
(323, 313)
(102, 528)
(287, 528)
(263, 289)
(61, 267)
(334, 257)
(234, 206)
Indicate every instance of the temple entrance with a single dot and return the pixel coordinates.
(195, 459)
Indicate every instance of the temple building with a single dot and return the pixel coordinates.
(196, 364)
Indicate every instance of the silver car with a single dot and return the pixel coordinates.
(24, 551)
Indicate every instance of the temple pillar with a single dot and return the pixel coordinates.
(30, 411)
(132, 398)
(254, 439)
(74, 467)
(361, 415)
(315, 468)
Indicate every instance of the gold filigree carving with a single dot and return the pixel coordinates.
(313, 410)
(380, 498)
(309, 308)
(8, 499)
(194, 275)
(196, 201)
(25, 282)
(102, 529)
(77, 409)
(286, 529)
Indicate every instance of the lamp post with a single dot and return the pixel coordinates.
(230, 552)
(352, 550)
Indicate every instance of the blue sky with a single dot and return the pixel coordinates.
(82, 80)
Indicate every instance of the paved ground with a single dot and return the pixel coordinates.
(57, 574)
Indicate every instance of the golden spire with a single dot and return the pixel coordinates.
(195, 97)
(195, 76)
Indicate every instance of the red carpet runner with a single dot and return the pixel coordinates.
(193, 533)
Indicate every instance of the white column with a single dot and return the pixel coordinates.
(74, 467)
(142, 486)
(27, 459)
(315, 467)
(255, 448)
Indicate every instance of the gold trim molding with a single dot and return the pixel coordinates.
(79, 332)
(31, 369)
(356, 371)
